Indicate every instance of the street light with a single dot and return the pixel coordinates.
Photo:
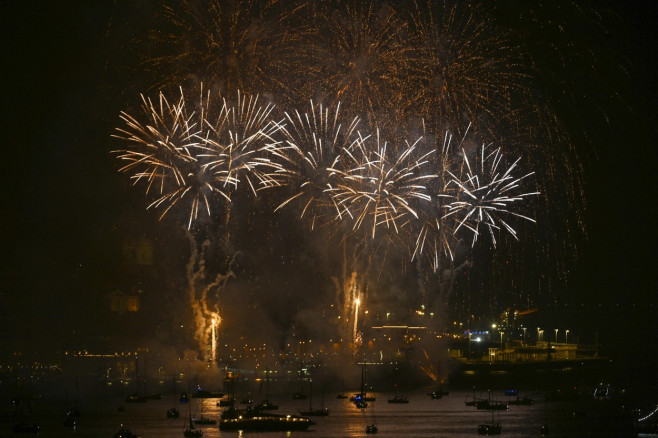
(556, 335)
(538, 330)
(501, 340)
(541, 335)
(524, 329)
(566, 336)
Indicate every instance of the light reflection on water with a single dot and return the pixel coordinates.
(421, 417)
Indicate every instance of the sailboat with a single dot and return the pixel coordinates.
(229, 400)
(360, 399)
(492, 428)
(313, 412)
(474, 400)
(173, 412)
(265, 404)
(136, 397)
(191, 431)
(371, 428)
(201, 420)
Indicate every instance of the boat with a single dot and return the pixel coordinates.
(525, 401)
(490, 405)
(184, 398)
(489, 429)
(256, 420)
(438, 393)
(492, 428)
(372, 428)
(173, 413)
(25, 428)
(398, 399)
(191, 431)
(474, 400)
(323, 412)
(136, 398)
(265, 405)
(202, 393)
(204, 421)
(226, 402)
(360, 399)
(123, 432)
(229, 400)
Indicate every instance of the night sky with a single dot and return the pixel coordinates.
(67, 211)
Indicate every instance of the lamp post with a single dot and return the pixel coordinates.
(501, 340)
(541, 335)
(556, 330)
(538, 330)
(524, 329)
(566, 336)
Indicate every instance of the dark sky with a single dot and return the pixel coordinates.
(66, 210)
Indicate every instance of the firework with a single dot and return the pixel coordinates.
(243, 44)
(464, 68)
(380, 186)
(433, 234)
(361, 58)
(193, 157)
(356, 320)
(484, 193)
(309, 151)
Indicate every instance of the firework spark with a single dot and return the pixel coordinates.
(193, 156)
(464, 68)
(361, 57)
(242, 44)
(381, 187)
(310, 150)
(485, 194)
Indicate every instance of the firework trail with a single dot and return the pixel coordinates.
(190, 156)
(310, 148)
(203, 296)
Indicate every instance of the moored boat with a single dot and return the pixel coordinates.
(256, 420)
(398, 399)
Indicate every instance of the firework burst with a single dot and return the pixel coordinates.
(464, 68)
(309, 151)
(381, 186)
(484, 193)
(192, 157)
(435, 236)
(361, 57)
(241, 44)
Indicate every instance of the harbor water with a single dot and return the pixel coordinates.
(422, 417)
